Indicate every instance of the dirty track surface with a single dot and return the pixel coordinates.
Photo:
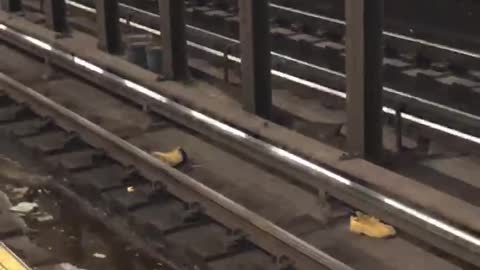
(48, 233)
(258, 189)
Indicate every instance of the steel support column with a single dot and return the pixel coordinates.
(55, 12)
(364, 78)
(174, 42)
(256, 58)
(11, 5)
(109, 35)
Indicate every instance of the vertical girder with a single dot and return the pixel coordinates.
(108, 27)
(256, 57)
(11, 5)
(364, 78)
(174, 43)
(55, 12)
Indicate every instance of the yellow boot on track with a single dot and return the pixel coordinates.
(370, 226)
(173, 158)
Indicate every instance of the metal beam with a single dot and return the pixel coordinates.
(11, 5)
(109, 35)
(256, 58)
(174, 42)
(364, 78)
(55, 12)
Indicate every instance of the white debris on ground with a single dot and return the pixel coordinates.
(24, 207)
(5, 205)
(20, 192)
(44, 218)
(13, 173)
(30, 209)
(99, 255)
(11, 161)
(68, 266)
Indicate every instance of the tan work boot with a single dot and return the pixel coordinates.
(370, 226)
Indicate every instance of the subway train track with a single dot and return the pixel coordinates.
(404, 212)
(164, 202)
(419, 102)
(164, 210)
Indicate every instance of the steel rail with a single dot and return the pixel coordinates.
(426, 227)
(342, 22)
(258, 229)
(386, 33)
(470, 119)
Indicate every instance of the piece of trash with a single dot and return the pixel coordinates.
(44, 218)
(370, 226)
(20, 192)
(197, 166)
(173, 158)
(24, 207)
(130, 189)
(68, 266)
(99, 255)
(11, 161)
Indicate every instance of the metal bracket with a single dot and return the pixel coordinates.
(235, 239)
(145, 107)
(226, 64)
(284, 263)
(399, 128)
(49, 71)
(350, 156)
(193, 212)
